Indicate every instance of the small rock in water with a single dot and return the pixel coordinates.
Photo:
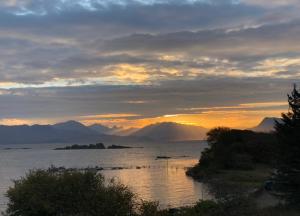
(162, 157)
(118, 147)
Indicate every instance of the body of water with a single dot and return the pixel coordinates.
(160, 180)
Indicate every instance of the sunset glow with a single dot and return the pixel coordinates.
(206, 63)
(149, 107)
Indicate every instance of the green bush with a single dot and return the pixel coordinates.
(242, 161)
(68, 193)
(237, 149)
(149, 209)
(207, 208)
(287, 178)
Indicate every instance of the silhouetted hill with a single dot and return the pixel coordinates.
(101, 128)
(266, 125)
(28, 134)
(118, 131)
(73, 126)
(65, 132)
(75, 132)
(169, 131)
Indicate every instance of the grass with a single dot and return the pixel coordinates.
(248, 178)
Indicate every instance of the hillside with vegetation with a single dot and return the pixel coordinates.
(241, 164)
(235, 149)
(171, 131)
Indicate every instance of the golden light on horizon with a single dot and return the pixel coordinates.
(210, 119)
(241, 116)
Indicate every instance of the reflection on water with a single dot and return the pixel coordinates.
(170, 186)
(162, 180)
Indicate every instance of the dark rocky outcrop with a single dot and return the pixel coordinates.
(78, 147)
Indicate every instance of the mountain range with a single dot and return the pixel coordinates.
(70, 131)
(170, 131)
(116, 130)
(75, 132)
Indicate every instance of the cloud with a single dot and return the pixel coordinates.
(152, 58)
(110, 116)
(248, 106)
(169, 97)
(246, 42)
(84, 42)
(157, 59)
(274, 3)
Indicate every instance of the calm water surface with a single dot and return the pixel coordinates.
(161, 180)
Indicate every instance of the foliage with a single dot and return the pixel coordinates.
(288, 133)
(237, 149)
(207, 208)
(234, 164)
(68, 193)
(149, 208)
(74, 193)
(235, 207)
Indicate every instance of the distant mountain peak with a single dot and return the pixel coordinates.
(166, 124)
(172, 131)
(114, 130)
(266, 125)
(71, 125)
(98, 125)
(266, 119)
(70, 122)
(100, 128)
(64, 132)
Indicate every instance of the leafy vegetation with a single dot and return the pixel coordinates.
(239, 159)
(47, 193)
(236, 207)
(231, 149)
(288, 166)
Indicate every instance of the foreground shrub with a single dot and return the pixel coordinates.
(287, 178)
(238, 149)
(149, 209)
(74, 193)
(68, 193)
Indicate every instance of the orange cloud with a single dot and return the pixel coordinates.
(19, 121)
(14, 121)
(128, 73)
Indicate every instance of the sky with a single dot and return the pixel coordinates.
(136, 62)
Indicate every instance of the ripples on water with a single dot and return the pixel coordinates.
(161, 180)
